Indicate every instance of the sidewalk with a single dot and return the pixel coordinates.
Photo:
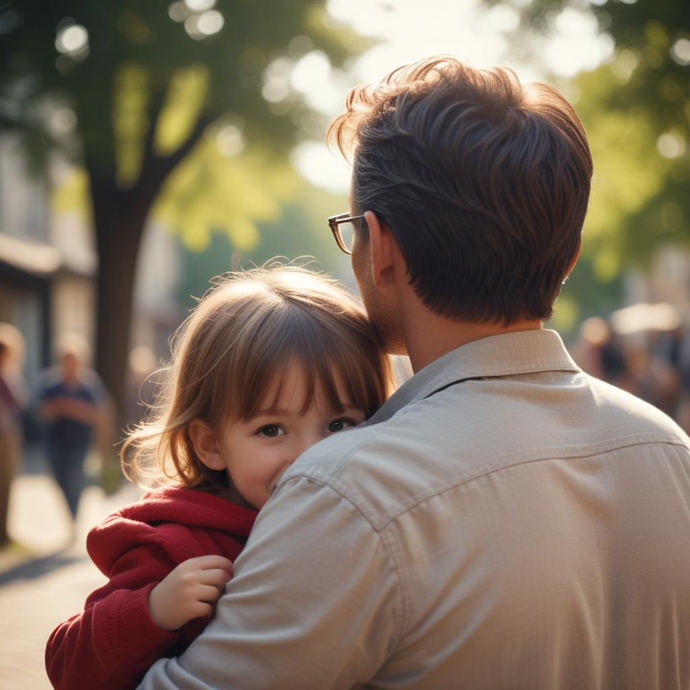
(46, 579)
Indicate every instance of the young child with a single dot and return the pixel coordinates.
(270, 362)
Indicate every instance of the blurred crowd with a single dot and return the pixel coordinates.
(70, 407)
(643, 349)
(68, 412)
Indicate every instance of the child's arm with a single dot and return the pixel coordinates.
(115, 639)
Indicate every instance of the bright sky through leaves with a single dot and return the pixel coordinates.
(408, 30)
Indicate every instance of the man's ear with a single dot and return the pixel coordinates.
(383, 249)
(206, 445)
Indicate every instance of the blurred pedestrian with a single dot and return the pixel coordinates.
(70, 399)
(12, 404)
(682, 361)
(598, 353)
(650, 377)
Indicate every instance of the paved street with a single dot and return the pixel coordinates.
(45, 579)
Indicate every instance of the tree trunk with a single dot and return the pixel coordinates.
(120, 217)
(119, 226)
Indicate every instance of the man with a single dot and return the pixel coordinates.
(504, 521)
(70, 404)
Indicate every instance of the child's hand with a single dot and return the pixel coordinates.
(189, 591)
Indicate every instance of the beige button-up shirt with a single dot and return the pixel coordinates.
(504, 521)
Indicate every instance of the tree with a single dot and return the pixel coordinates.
(146, 81)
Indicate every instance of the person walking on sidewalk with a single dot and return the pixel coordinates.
(70, 402)
(504, 520)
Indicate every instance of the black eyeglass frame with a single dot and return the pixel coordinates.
(337, 220)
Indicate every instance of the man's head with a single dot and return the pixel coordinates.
(483, 182)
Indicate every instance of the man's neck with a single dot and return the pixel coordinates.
(429, 336)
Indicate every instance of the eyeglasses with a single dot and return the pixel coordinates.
(343, 229)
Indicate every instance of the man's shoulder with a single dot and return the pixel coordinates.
(620, 405)
(462, 433)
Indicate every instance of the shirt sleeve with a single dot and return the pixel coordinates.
(315, 602)
(114, 640)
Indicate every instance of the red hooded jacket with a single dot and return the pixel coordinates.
(114, 641)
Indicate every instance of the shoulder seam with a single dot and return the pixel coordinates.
(526, 461)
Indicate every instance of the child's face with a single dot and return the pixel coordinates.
(258, 451)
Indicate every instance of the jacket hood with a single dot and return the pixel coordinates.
(162, 515)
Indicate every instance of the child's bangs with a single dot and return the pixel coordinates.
(365, 375)
(327, 354)
(236, 355)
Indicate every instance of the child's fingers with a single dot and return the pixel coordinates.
(211, 562)
(201, 608)
(217, 577)
(208, 593)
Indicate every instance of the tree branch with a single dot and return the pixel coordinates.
(157, 102)
(155, 169)
(197, 131)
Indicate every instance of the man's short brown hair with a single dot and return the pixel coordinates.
(483, 182)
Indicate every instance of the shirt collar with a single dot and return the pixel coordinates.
(507, 354)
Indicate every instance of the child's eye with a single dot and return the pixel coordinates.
(340, 424)
(270, 431)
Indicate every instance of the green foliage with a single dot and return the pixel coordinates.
(208, 193)
(209, 190)
(300, 231)
(642, 168)
(139, 60)
(143, 90)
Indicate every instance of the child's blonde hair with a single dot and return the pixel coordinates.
(235, 346)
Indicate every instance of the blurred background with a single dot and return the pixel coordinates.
(146, 147)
